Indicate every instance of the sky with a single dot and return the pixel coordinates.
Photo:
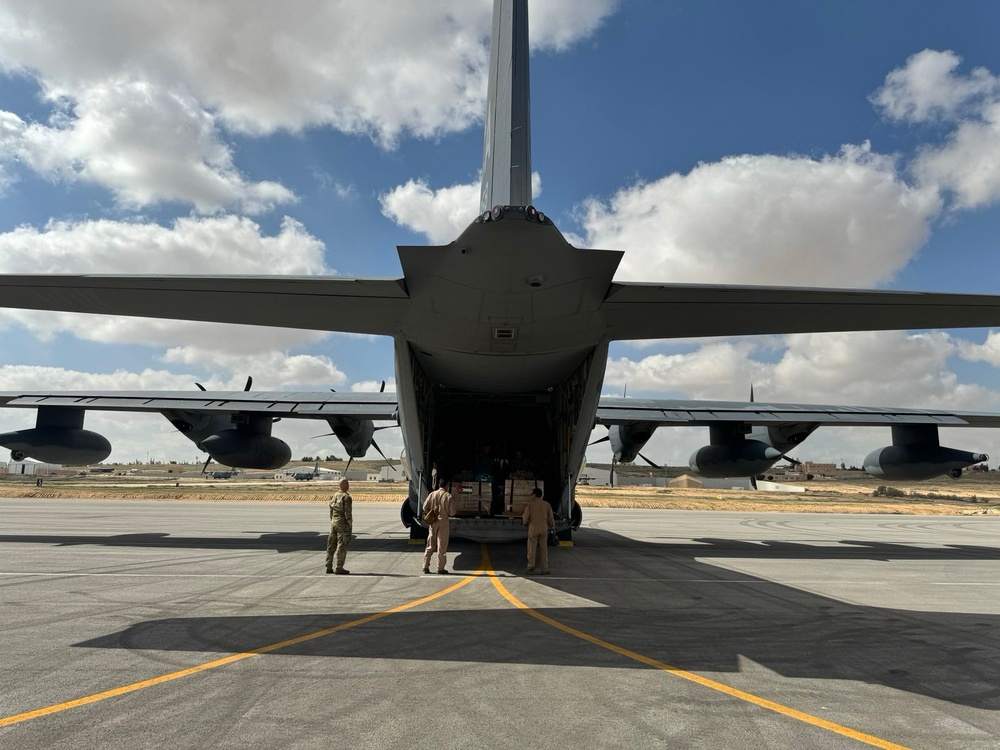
(832, 143)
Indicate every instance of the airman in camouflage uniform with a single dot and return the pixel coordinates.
(341, 525)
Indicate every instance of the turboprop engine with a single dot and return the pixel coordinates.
(58, 437)
(628, 439)
(241, 440)
(915, 453)
(738, 451)
(356, 435)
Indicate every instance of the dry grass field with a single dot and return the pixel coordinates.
(977, 493)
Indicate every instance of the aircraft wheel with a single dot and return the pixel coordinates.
(406, 515)
(576, 516)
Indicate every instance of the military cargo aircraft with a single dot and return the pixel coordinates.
(501, 342)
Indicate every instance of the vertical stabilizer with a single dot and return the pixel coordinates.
(507, 140)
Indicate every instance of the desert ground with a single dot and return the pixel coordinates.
(976, 493)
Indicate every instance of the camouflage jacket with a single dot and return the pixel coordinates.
(340, 510)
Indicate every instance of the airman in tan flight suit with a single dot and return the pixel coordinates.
(539, 519)
(439, 532)
(341, 526)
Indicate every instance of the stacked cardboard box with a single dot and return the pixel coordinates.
(471, 498)
(516, 494)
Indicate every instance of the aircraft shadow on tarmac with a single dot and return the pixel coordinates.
(285, 541)
(661, 600)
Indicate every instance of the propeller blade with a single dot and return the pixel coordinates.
(382, 389)
(325, 434)
(349, 459)
(200, 386)
(751, 393)
(604, 439)
(249, 383)
(387, 461)
(655, 466)
(207, 462)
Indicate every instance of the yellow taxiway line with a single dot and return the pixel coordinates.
(87, 699)
(691, 676)
(485, 568)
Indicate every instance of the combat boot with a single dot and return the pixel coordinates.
(329, 569)
(342, 572)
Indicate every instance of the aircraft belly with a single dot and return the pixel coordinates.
(499, 373)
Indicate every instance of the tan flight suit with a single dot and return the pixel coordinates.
(341, 526)
(539, 519)
(438, 533)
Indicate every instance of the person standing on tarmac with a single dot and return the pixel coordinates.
(539, 519)
(341, 526)
(438, 532)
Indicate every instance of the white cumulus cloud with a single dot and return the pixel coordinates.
(844, 220)
(143, 111)
(929, 88)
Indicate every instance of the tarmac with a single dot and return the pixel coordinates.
(178, 624)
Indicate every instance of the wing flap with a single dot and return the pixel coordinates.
(304, 405)
(680, 412)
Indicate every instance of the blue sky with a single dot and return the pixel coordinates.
(849, 144)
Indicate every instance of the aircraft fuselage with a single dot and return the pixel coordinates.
(501, 359)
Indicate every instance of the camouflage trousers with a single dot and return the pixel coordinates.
(336, 544)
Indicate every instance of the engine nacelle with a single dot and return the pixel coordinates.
(354, 434)
(628, 439)
(247, 449)
(908, 462)
(741, 458)
(71, 446)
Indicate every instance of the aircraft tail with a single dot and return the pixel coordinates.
(507, 138)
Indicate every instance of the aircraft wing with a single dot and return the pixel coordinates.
(373, 306)
(680, 412)
(662, 311)
(287, 404)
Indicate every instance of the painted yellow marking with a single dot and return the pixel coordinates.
(28, 715)
(816, 721)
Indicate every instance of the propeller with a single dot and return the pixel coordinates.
(654, 465)
(245, 388)
(606, 438)
(207, 462)
(375, 446)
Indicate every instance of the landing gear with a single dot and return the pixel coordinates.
(406, 516)
(575, 519)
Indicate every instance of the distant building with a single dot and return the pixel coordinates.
(32, 468)
(819, 470)
(594, 477)
(390, 474)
